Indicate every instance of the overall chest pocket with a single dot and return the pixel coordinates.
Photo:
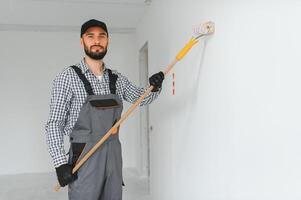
(104, 114)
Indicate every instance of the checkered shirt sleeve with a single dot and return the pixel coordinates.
(59, 106)
(131, 93)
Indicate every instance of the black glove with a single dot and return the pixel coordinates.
(156, 81)
(64, 174)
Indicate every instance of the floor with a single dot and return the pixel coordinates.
(40, 186)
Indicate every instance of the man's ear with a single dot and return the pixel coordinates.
(81, 42)
(108, 43)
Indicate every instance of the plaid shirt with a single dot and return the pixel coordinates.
(68, 96)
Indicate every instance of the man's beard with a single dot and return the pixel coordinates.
(95, 55)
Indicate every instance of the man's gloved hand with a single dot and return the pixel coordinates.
(156, 81)
(64, 174)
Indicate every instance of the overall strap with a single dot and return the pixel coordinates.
(112, 81)
(83, 78)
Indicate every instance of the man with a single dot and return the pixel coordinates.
(86, 102)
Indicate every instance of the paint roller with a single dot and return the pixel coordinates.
(202, 30)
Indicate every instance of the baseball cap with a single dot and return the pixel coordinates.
(92, 23)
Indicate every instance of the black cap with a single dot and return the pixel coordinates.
(92, 23)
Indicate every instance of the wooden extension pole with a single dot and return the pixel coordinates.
(179, 56)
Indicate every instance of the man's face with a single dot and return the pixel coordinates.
(95, 43)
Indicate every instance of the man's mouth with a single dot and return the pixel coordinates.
(97, 48)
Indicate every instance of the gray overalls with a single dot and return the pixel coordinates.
(100, 177)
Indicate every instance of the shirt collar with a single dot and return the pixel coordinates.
(84, 67)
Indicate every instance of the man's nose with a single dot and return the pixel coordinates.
(97, 41)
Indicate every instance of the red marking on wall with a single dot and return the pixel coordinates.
(173, 84)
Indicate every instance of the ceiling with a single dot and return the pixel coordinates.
(121, 16)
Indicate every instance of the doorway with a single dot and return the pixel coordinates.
(144, 115)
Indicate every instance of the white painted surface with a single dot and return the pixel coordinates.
(29, 63)
(232, 131)
(117, 13)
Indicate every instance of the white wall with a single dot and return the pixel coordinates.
(232, 131)
(29, 63)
